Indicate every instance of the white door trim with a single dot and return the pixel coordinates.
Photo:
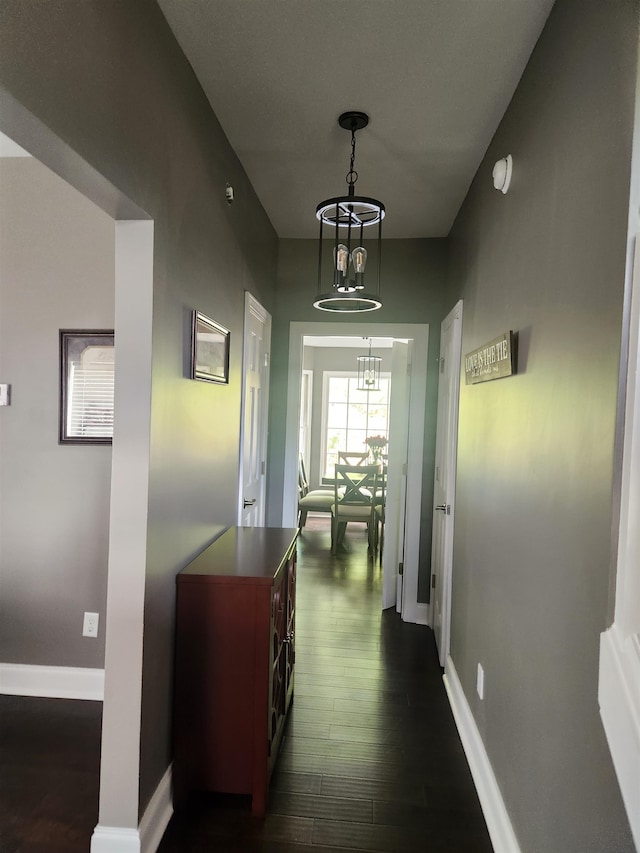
(412, 611)
(253, 307)
(619, 676)
(306, 416)
(120, 751)
(397, 466)
(453, 318)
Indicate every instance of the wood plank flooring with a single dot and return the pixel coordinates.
(371, 759)
(49, 774)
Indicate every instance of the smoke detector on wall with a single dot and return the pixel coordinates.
(502, 173)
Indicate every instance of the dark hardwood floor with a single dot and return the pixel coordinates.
(49, 774)
(371, 759)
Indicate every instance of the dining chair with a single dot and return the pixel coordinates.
(303, 480)
(379, 509)
(345, 457)
(315, 500)
(354, 499)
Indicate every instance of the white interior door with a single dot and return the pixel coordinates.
(396, 495)
(445, 478)
(255, 408)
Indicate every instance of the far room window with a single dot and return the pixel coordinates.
(350, 415)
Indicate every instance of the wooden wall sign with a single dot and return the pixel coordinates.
(491, 361)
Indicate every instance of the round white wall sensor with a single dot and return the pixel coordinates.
(502, 173)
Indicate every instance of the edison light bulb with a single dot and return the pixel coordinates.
(359, 260)
(341, 262)
(341, 258)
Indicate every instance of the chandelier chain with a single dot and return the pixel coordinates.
(352, 175)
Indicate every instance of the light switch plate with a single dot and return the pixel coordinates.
(5, 395)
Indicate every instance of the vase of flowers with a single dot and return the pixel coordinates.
(375, 445)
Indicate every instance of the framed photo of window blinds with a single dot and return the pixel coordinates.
(86, 386)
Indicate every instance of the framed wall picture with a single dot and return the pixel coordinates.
(209, 350)
(87, 365)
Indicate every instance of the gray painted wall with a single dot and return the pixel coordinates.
(548, 260)
(110, 80)
(535, 459)
(56, 271)
(412, 291)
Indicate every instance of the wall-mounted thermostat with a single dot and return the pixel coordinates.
(502, 172)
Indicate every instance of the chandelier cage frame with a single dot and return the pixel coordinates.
(353, 213)
(368, 371)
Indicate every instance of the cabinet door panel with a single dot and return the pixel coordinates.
(291, 628)
(216, 669)
(278, 687)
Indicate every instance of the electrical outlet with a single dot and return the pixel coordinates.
(480, 681)
(90, 625)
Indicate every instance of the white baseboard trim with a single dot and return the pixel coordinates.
(147, 837)
(619, 699)
(422, 614)
(55, 682)
(414, 612)
(112, 839)
(157, 815)
(495, 813)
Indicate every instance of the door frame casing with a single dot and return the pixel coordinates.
(419, 333)
(253, 306)
(396, 488)
(619, 670)
(454, 317)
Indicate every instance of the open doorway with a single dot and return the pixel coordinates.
(56, 272)
(408, 477)
(124, 508)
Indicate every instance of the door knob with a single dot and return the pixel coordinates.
(250, 502)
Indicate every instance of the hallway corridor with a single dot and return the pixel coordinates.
(371, 759)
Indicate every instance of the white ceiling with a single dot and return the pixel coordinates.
(9, 148)
(434, 76)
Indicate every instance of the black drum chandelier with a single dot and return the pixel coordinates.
(346, 217)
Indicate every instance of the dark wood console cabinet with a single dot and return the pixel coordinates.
(235, 659)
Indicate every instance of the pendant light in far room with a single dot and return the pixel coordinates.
(368, 371)
(351, 213)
